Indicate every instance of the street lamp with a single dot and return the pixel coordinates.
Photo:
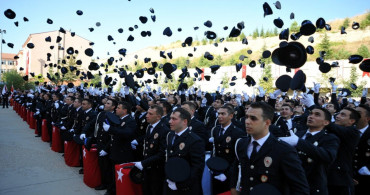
(1, 52)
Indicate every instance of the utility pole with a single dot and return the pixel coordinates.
(1, 52)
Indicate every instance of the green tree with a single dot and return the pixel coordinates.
(325, 45)
(225, 81)
(345, 23)
(242, 36)
(275, 31)
(267, 85)
(97, 78)
(204, 41)
(262, 32)
(14, 78)
(365, 22)
(70, 76)
(294, 27)
(363, 51)
(353, 79)
(255, 33)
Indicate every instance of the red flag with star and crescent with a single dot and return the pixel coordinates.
(124, 185)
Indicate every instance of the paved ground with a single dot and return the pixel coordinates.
(29, 166)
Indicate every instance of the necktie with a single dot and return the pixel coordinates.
(148, 131)
(174, 138)
(308, 136)
(221, 132)
(254, 150)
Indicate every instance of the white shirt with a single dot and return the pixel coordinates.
(312, 133)
(153, 125)
(124, 116)
(181, 132)
(363, 130)
(289, 123)
(77, 109)
(88, 110)
(225, 128)
(260, 142)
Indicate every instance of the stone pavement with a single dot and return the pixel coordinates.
(29, 166)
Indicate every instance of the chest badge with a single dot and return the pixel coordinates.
(182, 146)
(87, 118)
(264, 178)
(309, 160)
(151, 146)
(155, 136)
(267, 161)
(228, 139)
(123, 123)
(227, 151)
(315, 143)
(190, 128)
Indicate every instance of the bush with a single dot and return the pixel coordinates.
(341, 54)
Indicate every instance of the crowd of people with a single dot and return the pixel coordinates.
(260, 143)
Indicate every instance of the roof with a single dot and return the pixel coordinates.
(8, 56)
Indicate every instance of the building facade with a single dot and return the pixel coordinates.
(8, 62)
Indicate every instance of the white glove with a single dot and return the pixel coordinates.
(275, 94)
(218, 88)
(364, 171)
(187, 93)
(291, 140)
(139, 165)
(37, 113)
(52, 123)
(159, 90)
(294, 94)
(199, 93)
(204, 100)
(106, 126)
(211, 139)
(262, 92)
(62, 128)
(350, 100)
(72, 130)
(344, 94)
(102, 153)
(148, 87)
(316, 87)
(56, 105)
(134, 144)
(222, 91)
(364, 92)
(307, 100)
(127, 90)
(101, 107)
(334, 87)
(246, 97)
(82, 136)
(221, 177)
(171, 185)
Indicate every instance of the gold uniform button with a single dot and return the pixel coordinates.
(252, 167)
(251, 188)
(251, 178)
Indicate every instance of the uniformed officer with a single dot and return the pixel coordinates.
(361, 159)
(185, 144)
(141, 124)
(223, 138)
(154, 144)
(120, 143)
(262, 158)
(316, 148)
(195, 126)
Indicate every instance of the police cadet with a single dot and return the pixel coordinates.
(120, 143)
(141, 125)
(262, 158)
(223, 138)
(340, 174)
(195, 126)
(316, 148)
(184, 144)
(46, 113)
(361, 159)
(154, 144)
(167, 110)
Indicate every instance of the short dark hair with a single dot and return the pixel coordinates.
(326, 113)
(222, 101)
(229, 108)
(114, 102)
(267, 110)
(288, 105)
(184, 114)
(190, 104)
(79, 100)
(72, 98)
(158, 109)
(89, 101)
(354, 114)
(166, 105)
(366, 107)
(125, 105)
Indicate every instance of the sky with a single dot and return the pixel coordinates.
(184, 14)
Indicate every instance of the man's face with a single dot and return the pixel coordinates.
(217, 104)
(152, 116)
(234, 102)
(278, 106)
(176, 123)
(224, 117)
(76, 104)
(316, 119)
(330, 108)
(187, 108)
(343, 119)
(108, 106)
(298, 110)
(120, 111)
(46, 97)
(85, 105)
(171, 99)
(364, 118)
(286, 112)
(54, 97)
(139, 108)
(68, 101)
(255, 125)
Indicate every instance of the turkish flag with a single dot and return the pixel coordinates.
(124, 185)
(202, 75)
(56, 143)
(92, 175)
(365, 74)
(225, 193)
(244, 71)
(71, 153)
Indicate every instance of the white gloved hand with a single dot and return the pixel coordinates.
(171, 185)
(218, 88)
(344, 94)
(316, 87)
(204, 100)
(246, 97)
(364, 92)
(139, 165)
(127, 90)
(101, 107)
(221, 177)
(294, 94)
(62, 128)
(364, 171)
(103, 153)
(106, 126)
(350, 100)
(134, 144)
(56, 105)
(82, 136)
(275, 94)
(222, 91)
(307, 100)
(334, 87)
(148, 87)
(52, 123)
(159, 89)
(199, 93)
(291, 140)
(37, 113)
(211, 139)
(72, 130)
(262, 92)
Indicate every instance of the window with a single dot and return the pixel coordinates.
(3, 62)
(10, 62)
